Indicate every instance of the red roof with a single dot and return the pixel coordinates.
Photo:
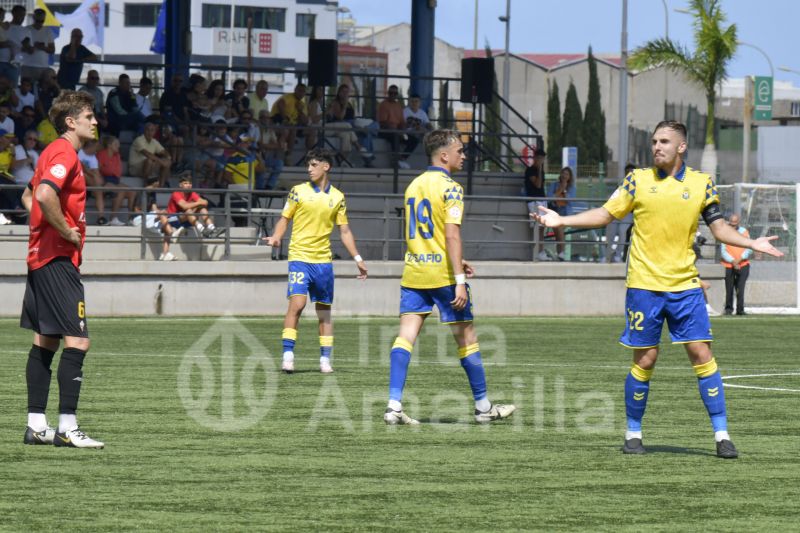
(547, 61)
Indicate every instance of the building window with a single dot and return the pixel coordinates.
(216, 16)
(68, 8)
(264, 18)
(141, 15)
(795, 110)
(305, 25)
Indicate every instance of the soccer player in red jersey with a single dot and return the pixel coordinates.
(54, 306)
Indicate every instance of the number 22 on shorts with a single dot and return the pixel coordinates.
(635, 319)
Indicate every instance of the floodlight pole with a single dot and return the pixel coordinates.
(622, 151)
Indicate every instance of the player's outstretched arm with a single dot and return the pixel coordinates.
(723, 232)
(274, 240)
(349, 241)
(593, 218)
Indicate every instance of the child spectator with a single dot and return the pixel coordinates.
(110, 166)
(190, 207)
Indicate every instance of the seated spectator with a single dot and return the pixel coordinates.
(47, 132)
(25, 158)
(23, 122)
(93, 87)
(341, 116)
(237, 98)
(143, 105)
(220, 143)
(534, 187)
(417, 125)
(47, 91)
(148, 159)
(91, 171)
(7, 51)
(123, 113)
(390, 117)
(173, 104)
(25, 96)
(8, 95)
(563, 189)
(6, 123)
(190, 207)
(314, 106)
(218, 106)
(173, 145)
(10, 199)
(271, 149)
(258, 99)
(290, 111)
(199, 107)
(110, 166)
(243, 163)
(71, 60)
(37, 47)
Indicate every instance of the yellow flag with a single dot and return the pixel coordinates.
(49, 19)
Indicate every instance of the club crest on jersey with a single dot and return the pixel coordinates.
(685, 194)
(653, 189)
(58, 171)
(455, 212)
(330, 203)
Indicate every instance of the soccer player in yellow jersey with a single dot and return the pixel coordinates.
(667, 201)
(313, 207)
(435, 274)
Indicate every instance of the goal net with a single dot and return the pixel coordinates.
(767, 210)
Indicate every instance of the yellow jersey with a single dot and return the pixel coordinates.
(313, 213)
(432, 200)
(666, 211)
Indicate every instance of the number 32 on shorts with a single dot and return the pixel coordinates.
(296, 277)
(635, 319)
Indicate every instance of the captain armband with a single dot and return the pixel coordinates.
(712, 213)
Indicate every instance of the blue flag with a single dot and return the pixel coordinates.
(159, 44)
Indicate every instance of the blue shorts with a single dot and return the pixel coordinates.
(312, 279)
(685, 312)
(175, 222)
(421, 302)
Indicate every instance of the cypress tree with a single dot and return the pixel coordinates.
(553, 147)
(573, 123)
(594, 124)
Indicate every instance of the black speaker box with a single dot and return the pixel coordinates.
(477, 79)
(323, 66)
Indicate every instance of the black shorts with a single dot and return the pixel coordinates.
(53, 303)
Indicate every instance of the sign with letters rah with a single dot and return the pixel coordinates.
(263, 43)
(762, 110)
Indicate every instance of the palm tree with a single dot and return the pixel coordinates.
(715, 45)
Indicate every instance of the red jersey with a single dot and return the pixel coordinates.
(180, 196)
(59, 168)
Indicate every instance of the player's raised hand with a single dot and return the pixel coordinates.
(460, 301)
(547, 217)
(272, 241)
(764, 244)
(468, 269)
(362, 269)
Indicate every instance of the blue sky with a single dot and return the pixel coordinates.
(570, 26)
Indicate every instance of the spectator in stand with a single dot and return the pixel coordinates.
(47, 132)
(173, 103)
(47, 91)
(110, 166)
(9, 198)
(169, 226)
(72, 59)
(173, 145)
(390, 117)
(190, 207)
(7, 68)
(534, 187)
(122, 109)
(199, 107)
(92, 87)
(237, 98)
(562, 190)
(218, 106)
(417, 125)
(143, 105)
(619, 230)
(15, 33)
(290, 111)
(243, 163)
(219, 147)
(258, 99)
(25, 120)
(341, 116)
(37, 47)
(314, 107)
(25, 96)
(8, 94)
(91, 171)
(6, 123)
(148, 159)
(271, 149)
(736, 261)
(25, 158)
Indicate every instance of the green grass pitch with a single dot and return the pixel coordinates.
(202, 433)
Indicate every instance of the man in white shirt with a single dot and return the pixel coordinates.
(37, 47)
(143, 97)
(417, 125)
(148, 158)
